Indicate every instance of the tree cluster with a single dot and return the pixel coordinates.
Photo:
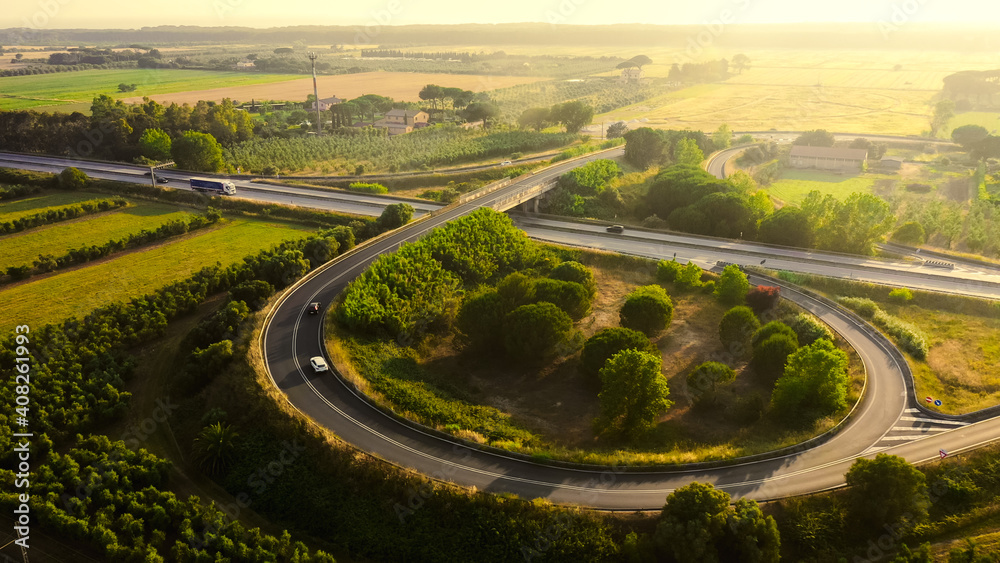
(573, 115)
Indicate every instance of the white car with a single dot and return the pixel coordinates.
(505, 163)
(318, 364)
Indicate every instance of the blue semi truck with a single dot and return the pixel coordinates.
(207, 185)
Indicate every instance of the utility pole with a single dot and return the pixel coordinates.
(319, 122)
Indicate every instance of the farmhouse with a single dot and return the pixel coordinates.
(399, 121)
(326, 103)
(631, 74)
(827, 158)
(891, 163)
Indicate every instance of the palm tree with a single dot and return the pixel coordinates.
(214, 447)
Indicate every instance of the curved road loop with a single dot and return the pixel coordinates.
(886, 417)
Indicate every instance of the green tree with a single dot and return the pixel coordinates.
(155, 144)
(814, 383)
(515, 290)
(723, 137)
(394, 216)
(667, 271)
(737, 328)
(885, 491)
(72, 178)
(215, 448)
(732, 287)
(633, 393)
(535, 118)
(569, 296)
(815, 138)
(431, 92)
(771, 354)
(911, 232)
(862, 220)
(616, 129)
(252, 292)
(740, 62)
(592, 178)
(607, 342)
(533, 332)
(574, 115)
(647, 309)
(944, 110)
(703, 383)
(480, 320)
(197, 151)
(697, 525)
(644, 147)
(788, 226)
(969, 135)
(487, 112)
(809, 329)
(687, 152)
(575, 272)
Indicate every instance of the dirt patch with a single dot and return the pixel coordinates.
(401, 86)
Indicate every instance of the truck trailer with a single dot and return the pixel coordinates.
(207, 185)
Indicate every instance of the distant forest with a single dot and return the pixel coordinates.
(804, 36)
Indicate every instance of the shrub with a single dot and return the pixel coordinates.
(689, 276)
(575, 272)
(480, 320)
(73, 179)
(809, 329)
(763, 298)
(736, 329)
(911, 232)
(703, 382)
(515, 290)
(772, 328)
(648, 309)
(732, 287)
(814, 383)
(253, 292)
(607, 342)
(668, 271)
(901, 294)
(860, 305)
(532, 332)
(568, 296)
(368, 188)
(771, 354)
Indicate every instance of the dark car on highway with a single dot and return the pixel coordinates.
(615, 229)
(313, 308)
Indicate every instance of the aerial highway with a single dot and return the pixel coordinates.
(887, 419)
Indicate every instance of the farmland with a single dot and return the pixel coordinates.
(39, 204)
(78, 291)
(74, 91)
(22, 248)
(795, 185)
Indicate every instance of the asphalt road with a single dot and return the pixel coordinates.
(886, 420)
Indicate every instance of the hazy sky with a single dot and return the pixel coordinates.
(52, 14)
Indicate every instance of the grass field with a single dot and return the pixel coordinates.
(49, 91)
(963, 364)
(988, 119)
(747, 107)
(74, 91)
(57, 239)
(76, 292)
(39, 204)
(794, 185)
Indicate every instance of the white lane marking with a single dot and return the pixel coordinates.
(911, 429)
(934, 420)
(900, 438)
